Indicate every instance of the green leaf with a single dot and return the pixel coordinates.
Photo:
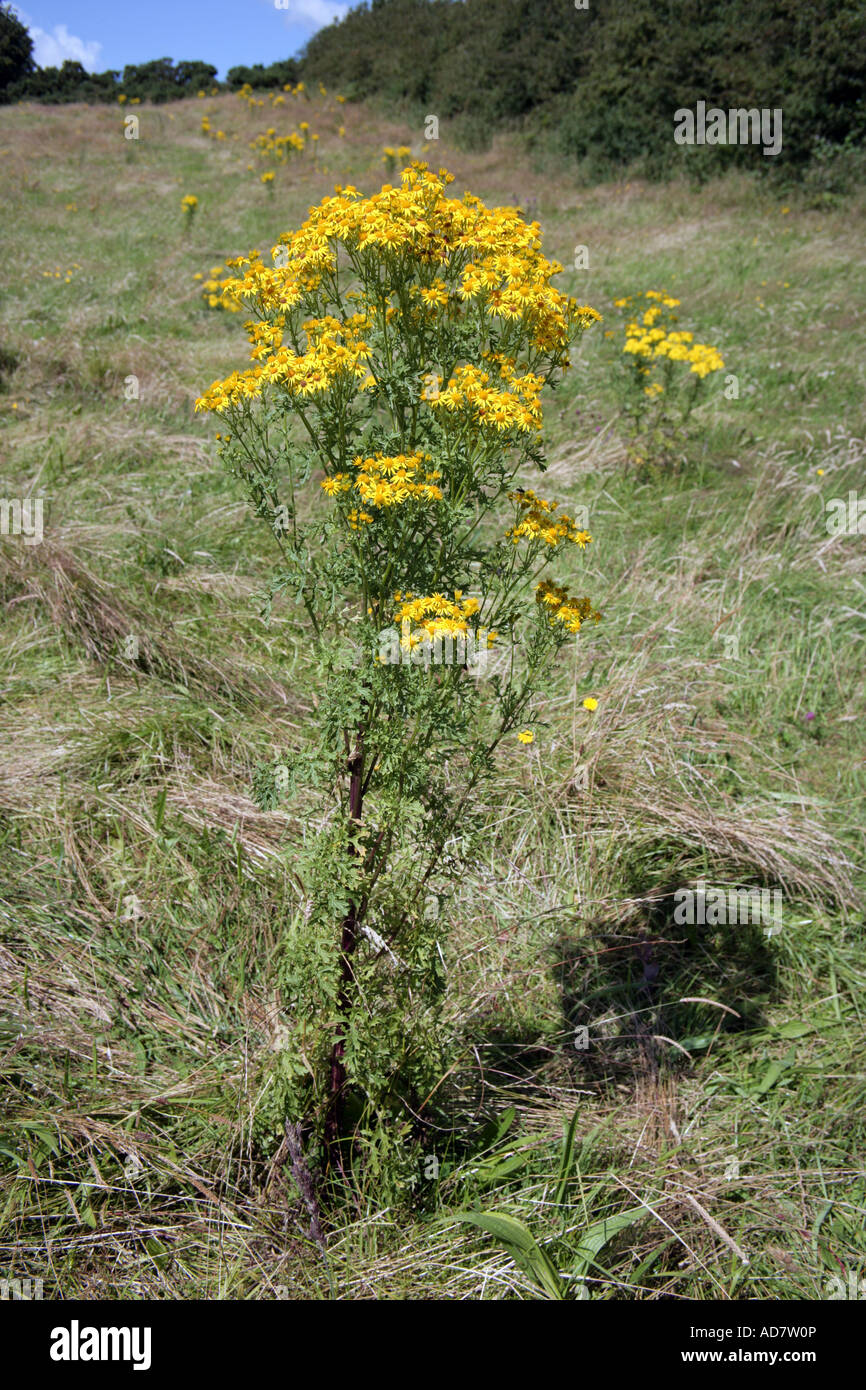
(492, 1169)
(597, 1236)
(772, 1074)
(157, 1251)
(795, 1029)
(520, 1243)
(88, 1216)
(698, 1042)
(647, 1264)
(505, 1122)
(46, 1135)
(565, 1161)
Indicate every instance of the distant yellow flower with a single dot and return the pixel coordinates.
(526, 736)
(589, 703)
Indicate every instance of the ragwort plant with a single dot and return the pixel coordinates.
(662, 371)
(400, 346)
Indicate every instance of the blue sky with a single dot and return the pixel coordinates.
(110, 33)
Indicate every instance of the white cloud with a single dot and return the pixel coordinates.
(313, 14)
(52, 50)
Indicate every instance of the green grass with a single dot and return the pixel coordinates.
(144, 894)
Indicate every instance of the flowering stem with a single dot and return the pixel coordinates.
(348, 942)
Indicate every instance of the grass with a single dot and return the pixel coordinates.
(716, 1116)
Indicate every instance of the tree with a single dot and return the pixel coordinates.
(16, 50)
(195, 75)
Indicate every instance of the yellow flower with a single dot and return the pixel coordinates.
(526, 736)
(538, 522)
(458, 251)
(563, 608)
(589, 703)
(341, 482)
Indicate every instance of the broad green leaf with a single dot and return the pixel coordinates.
(505, 1122)
(795, 1029)
(597, 1236)
(520, 1243)
(698, 1042)
(772, 1074)
(491, 1169)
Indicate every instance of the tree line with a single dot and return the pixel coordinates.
(599, 84)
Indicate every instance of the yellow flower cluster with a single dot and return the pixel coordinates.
(515, 286)
(214, 289)
(651, 335)
(510, 278)
(384, 481)
(704, 359)
(563, 608)
(436, 616)
(434, 296)
(207, 129)
(539, 521)
(391, 156)
(60, 274)
(335, 356)
(667, 300)
(654, 342)
(246, 93)
(469, 390)
(278, 147)
(189, 203)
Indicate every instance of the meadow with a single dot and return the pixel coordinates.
(707, 1142)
